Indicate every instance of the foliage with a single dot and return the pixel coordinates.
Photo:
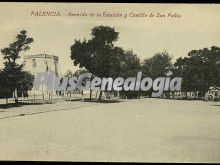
(158, 65)
(200, 69)
(12, 72)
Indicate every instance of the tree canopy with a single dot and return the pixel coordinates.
(12, 72)
(200, 69)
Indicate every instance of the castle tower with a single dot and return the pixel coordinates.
(41, 63)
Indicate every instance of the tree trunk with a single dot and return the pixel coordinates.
(22, 95)
(96, 95)
(90, 95)
(34, 96)
(70, 95)
(15, 95)
(118, 95)
(203, 93)
(100, 96)
(16, 101)
(82, 98)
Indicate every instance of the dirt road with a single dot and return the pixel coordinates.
(145, 130)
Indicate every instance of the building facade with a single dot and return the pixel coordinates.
(41, 63)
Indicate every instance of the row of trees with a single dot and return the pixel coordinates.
(199, 70)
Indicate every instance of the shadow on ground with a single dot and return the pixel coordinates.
(20, 104)
(216, 105)
(102, 101)
(45, 111)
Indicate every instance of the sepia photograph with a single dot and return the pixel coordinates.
(110, 82)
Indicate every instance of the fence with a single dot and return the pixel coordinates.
(35, 97)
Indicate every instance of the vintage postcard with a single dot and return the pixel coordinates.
(110, 82)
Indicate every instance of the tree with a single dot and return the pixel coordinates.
(199, 70)
(68, 73)
(181, 69)
(4, 92)
(98, 55)
(77, 74)
(12, 69)
(157, 66)
(130, 66)
(25, 82)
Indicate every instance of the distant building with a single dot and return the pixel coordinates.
(41, 63)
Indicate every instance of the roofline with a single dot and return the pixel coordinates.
(40, 56)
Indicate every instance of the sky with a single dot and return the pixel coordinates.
(197, 27)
